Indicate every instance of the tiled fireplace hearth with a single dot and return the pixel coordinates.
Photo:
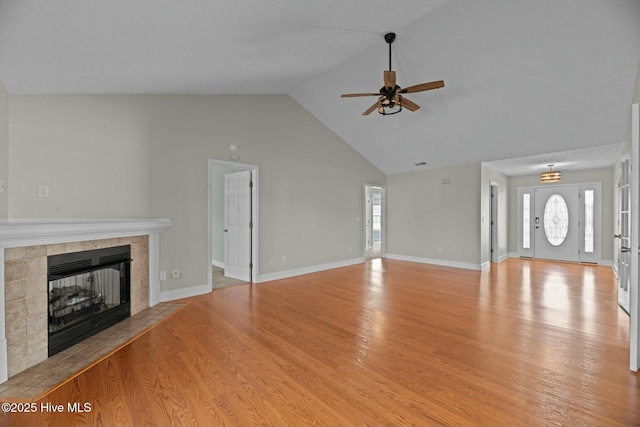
(24, 248)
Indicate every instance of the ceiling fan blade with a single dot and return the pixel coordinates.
(423, 86)
(371, 109)
(353, 95)
(409, 105)
(389, 78)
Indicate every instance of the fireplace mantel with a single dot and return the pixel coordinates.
(27, 233)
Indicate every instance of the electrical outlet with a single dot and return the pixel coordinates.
(175, 274)
(163, 275)
(43, 191)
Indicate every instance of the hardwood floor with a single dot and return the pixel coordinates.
(380, 343)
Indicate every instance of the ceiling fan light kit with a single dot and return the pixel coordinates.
(390, 99)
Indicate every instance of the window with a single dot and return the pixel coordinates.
(588, 221)
(526, 216)
(556, 219)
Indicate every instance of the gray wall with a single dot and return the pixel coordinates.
(435, 221)
(156, 149)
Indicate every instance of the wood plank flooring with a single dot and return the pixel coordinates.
(380, 343)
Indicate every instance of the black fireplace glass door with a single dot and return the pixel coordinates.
(75, 298)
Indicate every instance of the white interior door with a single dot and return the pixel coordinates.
(556, 223)
(494, 223)
(237, 225)
(624, 252)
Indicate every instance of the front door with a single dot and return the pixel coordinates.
(237, 225)
(557, 223)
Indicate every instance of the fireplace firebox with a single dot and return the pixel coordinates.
(88, 292)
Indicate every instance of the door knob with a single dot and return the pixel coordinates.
(625, 249)
(617, 236)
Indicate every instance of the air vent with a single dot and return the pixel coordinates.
(112, 259)
(70, 266)
(73, 263)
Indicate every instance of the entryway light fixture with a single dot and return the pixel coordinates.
(550, 176)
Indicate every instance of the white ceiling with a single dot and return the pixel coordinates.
(523, 78)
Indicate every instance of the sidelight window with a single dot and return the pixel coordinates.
(588, 221)
(526, 226)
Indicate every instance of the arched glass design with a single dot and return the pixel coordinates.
(556, 219)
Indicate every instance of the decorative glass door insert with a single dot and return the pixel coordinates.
(556, 219)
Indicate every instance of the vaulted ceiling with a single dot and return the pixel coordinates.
(523, 79)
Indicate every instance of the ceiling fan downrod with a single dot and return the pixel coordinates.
(389, 38)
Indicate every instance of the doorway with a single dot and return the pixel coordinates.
(560, 222)
(374, 245)
(233, 223)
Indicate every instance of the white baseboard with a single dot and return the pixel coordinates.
(306, 270)
(219, 264)
(444, 263)
(184, 293)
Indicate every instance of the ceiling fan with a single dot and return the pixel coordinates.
(390, 99)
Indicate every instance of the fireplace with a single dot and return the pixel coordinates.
(87, 292)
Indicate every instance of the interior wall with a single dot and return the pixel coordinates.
(310, 181)
(156, 149)
(490, 175)
(91, 151)
(4, 152)
(435, 215)
(604, 175)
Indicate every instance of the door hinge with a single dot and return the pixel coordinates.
(250, 265)
(251, 184)
(251, 224)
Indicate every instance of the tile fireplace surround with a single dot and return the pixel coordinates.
(24, 247)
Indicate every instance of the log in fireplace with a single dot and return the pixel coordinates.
(88, 292)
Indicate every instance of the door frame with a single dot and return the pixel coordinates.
(493, 222)
(215, 234)
(634, 294)
(383, 219)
